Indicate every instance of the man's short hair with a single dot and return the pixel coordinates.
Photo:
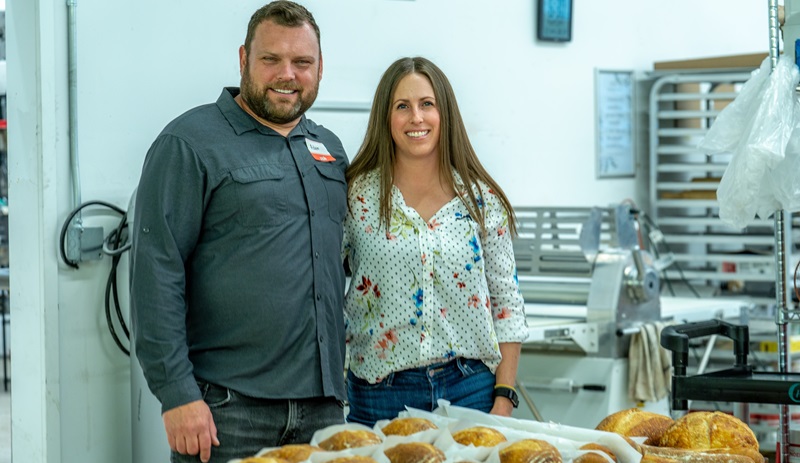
(283, 13)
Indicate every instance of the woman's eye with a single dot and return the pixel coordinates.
(402, 106)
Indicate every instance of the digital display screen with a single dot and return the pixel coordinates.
(554, 22)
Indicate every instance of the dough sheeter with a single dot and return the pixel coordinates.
(588, 287)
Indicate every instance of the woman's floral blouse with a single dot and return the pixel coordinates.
(423, 293)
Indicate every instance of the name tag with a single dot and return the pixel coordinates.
(319, 151)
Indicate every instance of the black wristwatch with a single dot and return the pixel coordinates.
(507, 392)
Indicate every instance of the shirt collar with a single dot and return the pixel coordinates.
(243, 122)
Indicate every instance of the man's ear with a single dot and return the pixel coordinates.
(242, 59)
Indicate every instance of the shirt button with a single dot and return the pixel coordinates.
(322, 339)
(316, 255)
(319, 297)
(431, 373)
(312, 213)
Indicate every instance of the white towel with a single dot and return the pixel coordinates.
(649, 365)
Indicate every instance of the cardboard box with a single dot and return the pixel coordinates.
(752, 60)
(695, 105)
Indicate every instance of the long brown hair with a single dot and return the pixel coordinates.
(455, 151)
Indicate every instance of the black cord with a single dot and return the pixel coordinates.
(118, 244)
(111, 284)
(71, 216)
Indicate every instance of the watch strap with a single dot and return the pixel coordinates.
(508, 392)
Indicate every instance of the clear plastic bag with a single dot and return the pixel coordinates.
(746, 188)
(729, 127)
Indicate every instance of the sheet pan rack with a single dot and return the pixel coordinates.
(741, 383)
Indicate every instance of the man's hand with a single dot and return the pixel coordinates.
(191, 430)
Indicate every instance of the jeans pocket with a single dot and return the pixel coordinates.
(215, 396)
(355, 382)
(469, 367)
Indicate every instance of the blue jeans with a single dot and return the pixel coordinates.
(245, 425)
(463, 382)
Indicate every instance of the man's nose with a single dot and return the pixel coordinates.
(286, 71)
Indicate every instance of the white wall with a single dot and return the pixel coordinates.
(529, 108)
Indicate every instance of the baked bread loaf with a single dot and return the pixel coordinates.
(350, 438)
(637, 423)
(697, 456)
(708, 430)
(263, 459)
(479, 436)
(754, 455)
(406, 426)
(414, 452)
(591, 457)
(530, 451)
(293, 453)
(657, 459)
(353, 459)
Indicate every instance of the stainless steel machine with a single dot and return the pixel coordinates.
(588, 287)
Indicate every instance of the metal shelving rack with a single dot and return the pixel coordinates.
(683, 184)
(741, 383)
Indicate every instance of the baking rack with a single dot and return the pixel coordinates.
(741, 383)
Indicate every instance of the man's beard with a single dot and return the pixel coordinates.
(258, 101)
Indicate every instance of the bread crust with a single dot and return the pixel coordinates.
(414, 452)
(696, 456)
(530, 451)
(634, 422)
(263, 459)
(350, 438)
(406, 426)
(593, 457)
(293, 453)
(353, 459)
(709, 430)
(479, 436)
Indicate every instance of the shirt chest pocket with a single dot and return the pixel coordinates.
(261, 194)
(335, 190)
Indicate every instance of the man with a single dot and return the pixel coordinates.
(237, 281)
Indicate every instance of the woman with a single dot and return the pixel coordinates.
(434, 309)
